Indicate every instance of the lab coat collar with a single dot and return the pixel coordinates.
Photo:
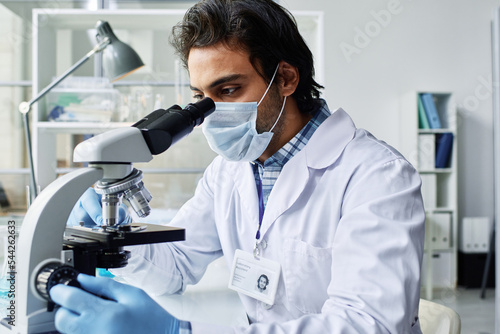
(329, 140)
(323, 149)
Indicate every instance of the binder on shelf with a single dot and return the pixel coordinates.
(439, 225)
(474, 235)
(426, 152)
(423, 123)
(444, 145)
(430, 110)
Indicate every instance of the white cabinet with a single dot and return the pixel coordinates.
(422, 146)
(62, 36)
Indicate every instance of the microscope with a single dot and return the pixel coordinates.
(49, 253)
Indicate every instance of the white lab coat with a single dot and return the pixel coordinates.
(345, 220)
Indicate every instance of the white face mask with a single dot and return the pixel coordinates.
(231, 129)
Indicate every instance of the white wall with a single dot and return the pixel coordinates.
(422, 45)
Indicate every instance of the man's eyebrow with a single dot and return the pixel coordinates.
(220, 81)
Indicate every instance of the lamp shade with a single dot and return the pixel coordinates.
(119, 59)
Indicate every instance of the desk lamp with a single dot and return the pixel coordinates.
(119, 60)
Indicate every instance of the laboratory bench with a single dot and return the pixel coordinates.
(210, 301)
(212, 307)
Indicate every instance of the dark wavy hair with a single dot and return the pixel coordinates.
(264, 29)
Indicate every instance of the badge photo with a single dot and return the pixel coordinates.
(255, 277)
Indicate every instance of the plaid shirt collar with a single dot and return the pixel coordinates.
(284, 154)
(266, 174)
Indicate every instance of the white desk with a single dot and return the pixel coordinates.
(209, 301)
(213, 307)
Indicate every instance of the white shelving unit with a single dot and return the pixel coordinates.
(439, 188)
(61, 37)
(56, 35)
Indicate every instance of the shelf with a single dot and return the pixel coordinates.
(14, 171)
(80, 127)
(434, 131)
(127, 83)
(21, 83)
(130, 19)
(437, 171)
(440, 209)
(439, 250)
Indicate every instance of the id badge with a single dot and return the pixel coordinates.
(255, 277)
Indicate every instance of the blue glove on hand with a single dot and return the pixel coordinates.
(131, 310)
(88, 210)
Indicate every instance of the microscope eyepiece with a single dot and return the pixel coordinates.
(200, 110)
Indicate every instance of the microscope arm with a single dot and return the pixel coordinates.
(41, 241)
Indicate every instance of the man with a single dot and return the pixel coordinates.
(331, 213)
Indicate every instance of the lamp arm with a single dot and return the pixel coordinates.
(27, 135)
(25, 107)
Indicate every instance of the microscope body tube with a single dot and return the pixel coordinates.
(163, 128)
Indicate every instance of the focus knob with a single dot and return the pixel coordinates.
(52, 274)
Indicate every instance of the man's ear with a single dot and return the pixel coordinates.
(289, 76)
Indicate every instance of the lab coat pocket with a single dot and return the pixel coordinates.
(307, 274)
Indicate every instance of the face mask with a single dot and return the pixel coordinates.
(231, 130)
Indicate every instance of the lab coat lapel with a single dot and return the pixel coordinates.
(330, 139)
(244, 181)
(286, 191)
(323, 149)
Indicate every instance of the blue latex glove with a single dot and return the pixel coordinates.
(88, 210)
(131, 310)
